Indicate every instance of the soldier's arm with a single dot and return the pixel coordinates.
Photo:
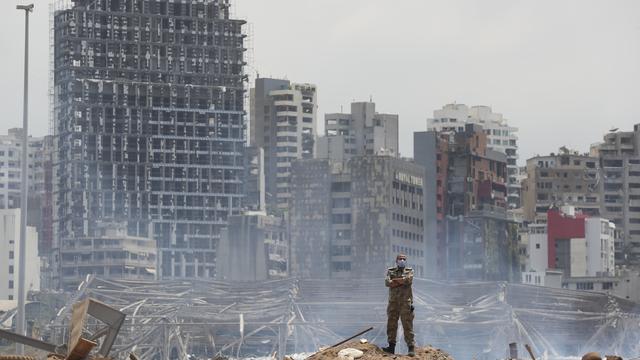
(408, 278)
(387, 280)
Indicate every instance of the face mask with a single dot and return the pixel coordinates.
(401, 263)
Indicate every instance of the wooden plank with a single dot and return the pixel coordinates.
(81, 350)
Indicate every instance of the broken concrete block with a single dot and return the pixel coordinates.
(350, 353)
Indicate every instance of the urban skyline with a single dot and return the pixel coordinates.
(193, 169)
(595, 88)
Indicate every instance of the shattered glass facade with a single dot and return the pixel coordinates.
(149, 115)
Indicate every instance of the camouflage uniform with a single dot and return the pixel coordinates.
(400, 305)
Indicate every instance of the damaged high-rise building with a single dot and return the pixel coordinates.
(350, 218)
(149, 118)
(470, 233)
(500, 137)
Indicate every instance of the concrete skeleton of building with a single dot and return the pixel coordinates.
(10, 255)
(619, 156)
(565, 178)
(111, 254)
(361, 132)
(149, 118)
(500, 137)
(350, 218)
(283, 124)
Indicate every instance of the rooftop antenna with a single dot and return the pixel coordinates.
(370, 98)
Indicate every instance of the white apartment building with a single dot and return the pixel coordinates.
(361, 132)
(283, 123)
(11, 170)
(500, 137)
(537, 249)
(10, 255)
(582, 247)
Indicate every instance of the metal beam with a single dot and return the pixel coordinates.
(34, 343)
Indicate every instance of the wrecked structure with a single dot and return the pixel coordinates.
(110, 253)
(565, 178)
(149, 118)
(476, 238)
(501, 137)
(349, 218)
(476, 320)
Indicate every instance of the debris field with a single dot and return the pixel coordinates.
(373, 352)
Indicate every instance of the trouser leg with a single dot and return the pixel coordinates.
(393, 313)
(406, 317)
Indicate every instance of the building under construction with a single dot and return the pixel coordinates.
(149, 118)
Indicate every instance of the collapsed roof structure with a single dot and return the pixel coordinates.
(468, 320)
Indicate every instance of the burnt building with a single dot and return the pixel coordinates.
(475, 238)
(149, 118)
(350, 218)
(431, 150)
(619, 183)
(565, 178)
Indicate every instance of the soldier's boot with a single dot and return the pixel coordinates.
(412, 351)
(391, 349)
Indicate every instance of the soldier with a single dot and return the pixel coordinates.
(398, 280)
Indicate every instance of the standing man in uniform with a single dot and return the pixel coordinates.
(399, 280)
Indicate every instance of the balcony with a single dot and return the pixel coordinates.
(287, 113)
(284, 103)
(109, 262)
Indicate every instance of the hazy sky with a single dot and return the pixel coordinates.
(564, 72)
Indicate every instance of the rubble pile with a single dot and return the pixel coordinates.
(373, 352)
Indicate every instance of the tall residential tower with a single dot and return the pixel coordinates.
(283, 123)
